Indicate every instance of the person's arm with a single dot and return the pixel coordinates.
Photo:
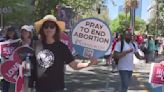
(77, 66)
(33, 77)
(118, 53)
(139, 56)
(136, 52)
(69, 59)
(122, 54)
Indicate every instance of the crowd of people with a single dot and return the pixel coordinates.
(50, 55)
(120, 55)
(151, 46)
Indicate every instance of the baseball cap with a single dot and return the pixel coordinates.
(28, 28)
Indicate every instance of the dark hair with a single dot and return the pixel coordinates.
(117, 34)
(56, 35)
(30, 36)
(122, 37)
(149, 37)
(156, 42)
(11, 29)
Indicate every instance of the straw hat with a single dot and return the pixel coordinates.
(39, 23)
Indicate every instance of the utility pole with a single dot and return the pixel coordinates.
(134, 5)
(1, 8)
(1, 20)
(132, 19)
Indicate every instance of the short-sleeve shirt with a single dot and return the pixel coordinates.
(114, 43)
(126, 62)
(52, 59)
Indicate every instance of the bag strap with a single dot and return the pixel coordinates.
(134, 45)
(122, 45)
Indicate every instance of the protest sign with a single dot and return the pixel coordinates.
(9, 69)
(7, 48)
(20, 81)
(66, 40)
(91, 37)
(157, 74)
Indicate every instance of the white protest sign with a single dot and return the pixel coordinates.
(91, 37)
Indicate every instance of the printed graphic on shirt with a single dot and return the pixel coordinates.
(45, 58)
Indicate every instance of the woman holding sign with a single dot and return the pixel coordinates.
(26, 35)
(25, 51)
(10, 35)
(51, 56)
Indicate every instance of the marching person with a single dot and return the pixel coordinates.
(10, 35)
(27, 35)
(151, 49)
(26, 40)
(50, 56)
(115, 63)
(157, 47)
(125, 57)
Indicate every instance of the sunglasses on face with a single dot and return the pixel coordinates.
(51, 26)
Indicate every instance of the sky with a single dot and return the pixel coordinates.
(113, 10)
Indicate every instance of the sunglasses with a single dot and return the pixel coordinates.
(51, 26)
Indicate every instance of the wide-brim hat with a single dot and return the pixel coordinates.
(52, 18)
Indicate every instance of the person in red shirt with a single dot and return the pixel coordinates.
(139, 39)
(109, 58)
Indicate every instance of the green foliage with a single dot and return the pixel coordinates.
(21, 12)
(81, 5)
(44, 7)
(156, 22)
(28, 11)
(122, 22)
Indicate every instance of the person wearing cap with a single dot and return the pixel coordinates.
(125, 57)
(26, 40)
(10, 35)
(51, 55)
(26, 35)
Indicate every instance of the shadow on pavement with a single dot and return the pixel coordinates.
(93, 80)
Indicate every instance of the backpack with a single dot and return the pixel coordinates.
(121, 49)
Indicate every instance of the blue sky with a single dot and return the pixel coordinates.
(113, 10)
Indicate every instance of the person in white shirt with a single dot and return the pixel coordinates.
(125, 57)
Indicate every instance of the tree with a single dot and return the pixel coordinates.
(129, 4)
(29, 11)
(122, 22)
(21, 12)
(156, 22)
(44, 7)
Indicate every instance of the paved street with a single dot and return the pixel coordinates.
(95, 79)
(46, 32)
(100, 79)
